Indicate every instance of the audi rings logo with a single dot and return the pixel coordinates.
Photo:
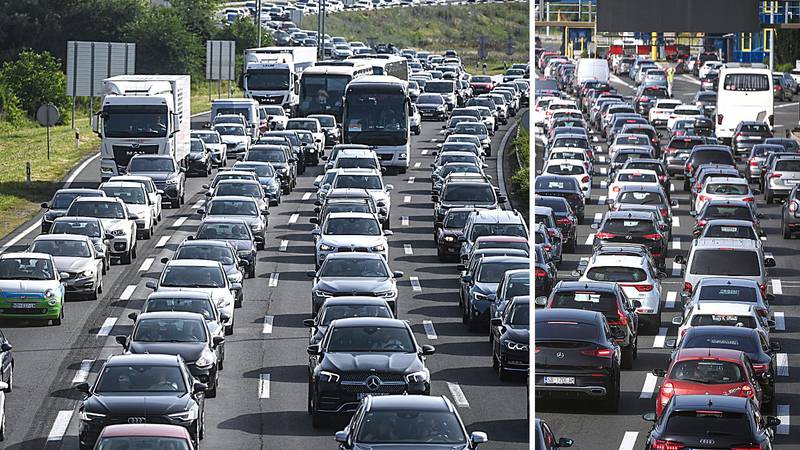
(560, 355)
(373, 383)
(707, 442)
(137, 420)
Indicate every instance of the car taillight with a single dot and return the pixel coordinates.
(667, 389)
(778, 87)
(763, 288)
(703, 198)
(598, 352)
(748, 199)
(748, 447)
(679, 133)
(660, 444)
(585, 179)
(737, 136)
(644, 287)
(548, 247)
(687, 287)
(775, 175)
(689, 167)
(793, 206)
(760, 368)
(540, 273)
(564, 221)
(603, 235)
(702, 222)
(623, 319)
(753, 163)
(664, 212)
(746, 391)
(719, 119)
(615, 189)
(652, 237)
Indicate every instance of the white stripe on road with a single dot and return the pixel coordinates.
(458, 395)
(604, 171)
(163, 241)
(676, 221)
(425, 152)
(589, 239)
(649, 386)
(598, 217)
(601, 200)
(263, 385)
(128, 292)
(293, 218)
(411, 180)
(273, 279)
(78, 171)
(107, 326)
(429, 330)
(784, 416)
(60, 425)
(417, 164)
(307, 196)
(777, 288)
(601, 159)
(146, 265)
(780, 322)
(407, 249)
(199, 204)
(267, 325)
(284, 244)
(629, 440)
(404, 221)
(660, 338)
(179, 221)
(83, 372)
(782, 361)
(676, 244)
(415, 286)
(671, 187)
(690, 80)
(603, 184)
(670, 302)
(785, 105)
(407, 199)
(624, 83)
(676, 269)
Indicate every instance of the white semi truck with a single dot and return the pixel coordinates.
(271, 74)
(143, 114)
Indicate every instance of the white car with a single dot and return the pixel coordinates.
(137, 201)
(637, 278)
(276, 117)
(572, 153)
(557, 105)
(235, 138)
(350, 231)
(74, 255)
(723, 188)
(572, 168)
(117, 221)
(213, 142)
(627, 177)
(721, 313)
(153, 192)
(660, 112)
(370, 181)
(196, 275)
(684, 112)
(357, 159)
(415, 120)
(312, 125)
(708, 66)
(540, 109)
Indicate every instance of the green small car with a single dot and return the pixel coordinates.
(31, 288)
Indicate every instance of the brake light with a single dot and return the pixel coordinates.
(623, 319)
(775, 175)
(689, 167)
(598, 352)
(585, 179)
(703, 198)
(748, 199)
(763, 288)
(736, 136)
(603, 235)
(760, 368)
(702, 222)
(548, 247)
(753, 163)
(749, 447)
(615, 189)
(793, 206)
(687, 287)
(552, 233)
(644, 287)
(719, 119)
(664, 212)
(679, 133)
(746, 391)
(540, 273)
(660, 444)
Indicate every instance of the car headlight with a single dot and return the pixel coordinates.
(256, 227)
(386, 294)
(52, 302)
(119, 232)
(49, 293)
(235, 277)
(481, 296)
(173, 180)
(511, 345)
(185, 416)
(418, 377)
(449, 239)
(378, 248)
(87, 416)
(328, 377)
(321, 293)
(244, 253)
(325, 247)
(87, 273)
(206, 359)
(283, 170)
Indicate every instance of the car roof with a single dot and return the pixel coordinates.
(78, 191)
(351, 215)
(204, 243)
(725, 243)
(731, 222)
(726, 403)
(409, 402)
(699, 352)
(143, 359)
(707, 308)
(643, 215)
(606, 286)
(641, 187)
(169, 315)
(145, 429)
(129, 184)
(190, 295)
(61, 237)
(557, 314)
(239, 198)
(370, 322)
(76, 219)
(497, 215)
(192, 263)
(32, 255)
(731, 180)
(99, 199)
(353, 255)
(500, 239)
(503, 259)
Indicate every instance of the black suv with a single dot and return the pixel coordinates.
(565, 187)
(565, 218)
(510, 338)
(636, 227)
(610, 300)
(576, 354)
(361, 356)
(726, 209)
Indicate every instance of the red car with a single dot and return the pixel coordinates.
(707, 371)
(146, 435)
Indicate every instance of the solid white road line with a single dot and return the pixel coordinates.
(601, 159)
(629, 440)
(78, 171)
(146, 265)
(676, 244)
(83, 372)
(777, 288)
(671, 187)
(649, 386)
(19, 237)
(128, 292)
(307, 196)
(199, 204)
(598, 217)
(589, 239)
(660, 338)
(676, 221)
(458, 395)
(179, 221)
(107, 326)
(284, 244)
(785, 105)
(60, 425)
(273, 279)
(784, 415)
(268, 324)
(411, 180)
(407, 249)
(780, 321)
(263, 385)
(293, 218)
(429, 330)
(407, 199)
(415, 286)
(163, 241)
(417, 165)
(404, 221)
(782, 361)
(676, 269)
(670, 301)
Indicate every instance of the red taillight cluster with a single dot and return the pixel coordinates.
(664, 212)
(652, 237)
(775, 175)
(615, 189)
(660, 444)
(702, 222)
(540, 273)
(719, 119)
(644, 287)
(748, 447)
(760, 368)
(753, 163)
(598, 352)
(748, 199)
(793, 206)
(746, 391)
(603, 235)
(564, 221)
(585, 179)
(703, 198)
(687, 287)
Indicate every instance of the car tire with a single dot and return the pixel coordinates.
(3, 429)
(57, 321)
(502, 373)
(211, 392)
(571, 244)
(237, 303)
(611, 401)
(769, 197)
(10, 381)
(146, 234)
(627, 357)
(287, 190)
(134, 254)
(787, 234)
(229, 328)
(126, 257)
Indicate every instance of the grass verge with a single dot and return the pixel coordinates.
(200, 91)
(520, 181)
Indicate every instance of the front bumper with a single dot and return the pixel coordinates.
(197, 166)
(345, 396)
(119, 246)
(514, 360)
(170, 192)
(82, 285)
(25, 308)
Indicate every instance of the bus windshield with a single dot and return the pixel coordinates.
(376, 118)
(322, 94)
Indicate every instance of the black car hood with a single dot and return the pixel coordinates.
(137, 404)
(241, 244)
(189, 351)
(353, 284)
(518, 333)
(407, 446)
(379, 362)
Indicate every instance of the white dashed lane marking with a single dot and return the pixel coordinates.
(404, 221)
(284, 245)
(60, 425)
(407, 249)
(784, 415)
(179, 221)
(293, 218)
(660, 338)
(415, 286)
(780, 321)
(163, 241)
(598, 217)
(782, 361)
(128, 292)
(199, 204)
(601, 200)
(146, 264)
(307, 196)
(430, 331)
(107, 326)
(676, 244)
(263, 385)
(676, 269)
(83, 372)
(267, 329)
(407, 199)
(273, 279)
(458, 395)
(649, 386)
(417, 164)
(777, 288)
(424, 152)
(411, 180)
(676, 221)
(629, 440)
(670, 301)
(589, 239)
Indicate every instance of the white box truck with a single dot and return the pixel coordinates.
(143, 114)
(271, 74)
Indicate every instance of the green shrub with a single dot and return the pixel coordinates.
(34, 79)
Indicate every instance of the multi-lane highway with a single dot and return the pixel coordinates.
(261, 401)
(625, 430)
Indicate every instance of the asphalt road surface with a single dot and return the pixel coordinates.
(626, 430)
(261, 401)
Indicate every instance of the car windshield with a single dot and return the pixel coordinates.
(743, 344)
(635, 177)
(229, 130)
(448, 158)
(208, 252)
(140, 378)
(101, 210)
(729, 188)
(193, 276)
(358, 181)
(75, 249)
(129, 195)
(629, 226)
(356, 163)
(26, 269)
(728, 293)
(640, 198)
(565, 330)
(239, 189)
(497, 229)
(196, 146)
(232, 208)
(262, 170)
(197, 306)
(574, 142)
(730, 425)
(235, 231)
(430, 99)
(89, 229)
(308, 125)
(469, 193)
(493, 272)
(143, 443)
(520, 314)
(707, 372)
(456, 219)
(169, 330)
(370, 339)
(326, 121)
(361, 226)
(458, 168)
(732, 320)
(617, 274)
(151, 165)
(410, 427)
(470, 128)
(604, 302)
(726, 262)
(208, 138)
(62, 200)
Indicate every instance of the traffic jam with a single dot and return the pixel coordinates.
(664, 218)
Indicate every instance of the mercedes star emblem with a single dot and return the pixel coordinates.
(560, 355)
(373, 383)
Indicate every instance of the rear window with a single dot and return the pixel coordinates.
(748, 82)
(728, 293)
(632, 140)
(604, 302)
(728, 212)
(571, 142)
(707, 371)
(566, 330)
(556, 204)
(724, 320)
(755, 128)
(712, 156)
(617, 274)
(746, 345)
(565, 169)
(726, 262)
(629, 226)
(657, 168)
(788, 165)
(622, 157)
(640, 198)
(730, 231)
(638, 177)
(728, 189)
(684, 144)
(566, 184)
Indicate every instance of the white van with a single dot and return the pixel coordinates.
(591, 69)
(744, 93)
(246, 107)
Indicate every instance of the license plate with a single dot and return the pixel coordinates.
(361, 395)
(559, 380)
(792, 181)
(23, 305)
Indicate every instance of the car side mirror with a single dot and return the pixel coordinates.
(217, 340)
(44, 205)
(769, 262)
(236, 286)
(680, 259)
(388, 232)
(132, 216)
(82, 387)
(164, 260)
(151, 285)
(397, 274)
(133, 316)
(677, 320)
(497, 321)
(199, 387)
(466, 278)
(224, 316)
(63, 276)
(201, 212)
(161, 191)
(311, 274)
(671, 343)
(309, 323)
(313, 349)
(342, 437)
(427, 350)
(650, 417)
(478, 437)
(760, 215)
(389, 187)
(6, 347)
(316, 232)
(772, 422)
(205, 186)
(775, 346)
(661, 275)
(565, 442)
(659, 372)
(109, 236)
(122, 340)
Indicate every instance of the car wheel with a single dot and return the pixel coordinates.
(287, 190)
(95, 294)
(251, 271)
(126, 257)
(571, 244)
(769, 197)
(260, 245)
(211, 392)
(10, 381)
(238, 302)
(317, 419)
(60, 317)
(786, 233)
(611, 401)
(627, 357)
(229, 328)
(502, 373)
(134, 254)
(495, 362)
(146, 234)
